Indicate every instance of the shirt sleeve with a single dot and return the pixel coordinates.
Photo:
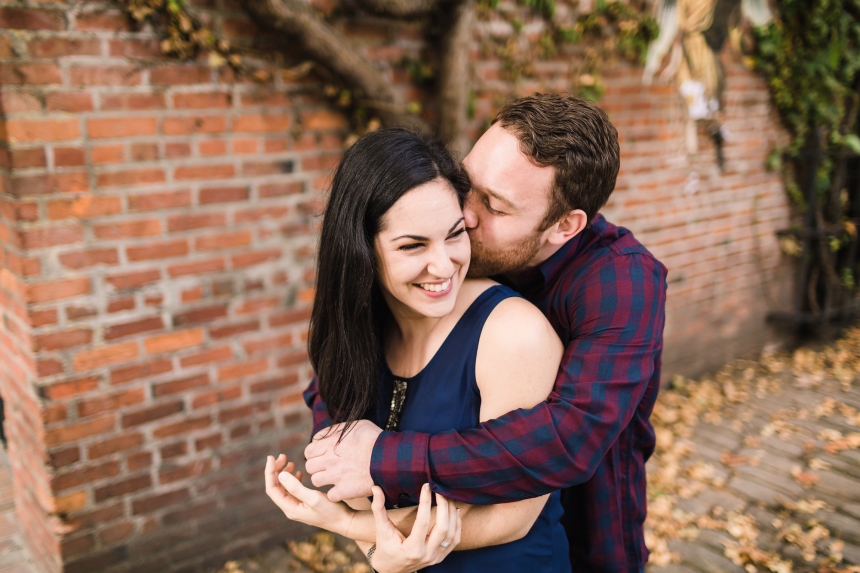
(617, 313)
(320, 412)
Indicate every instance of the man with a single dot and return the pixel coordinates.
(539, 176)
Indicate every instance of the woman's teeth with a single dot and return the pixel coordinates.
(436, 287)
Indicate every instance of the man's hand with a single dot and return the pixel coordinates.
(346, 466)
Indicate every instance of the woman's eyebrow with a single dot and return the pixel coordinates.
(420, 238)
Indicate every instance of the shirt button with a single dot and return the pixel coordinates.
(404, 496)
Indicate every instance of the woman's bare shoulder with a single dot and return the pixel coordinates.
(471, 289)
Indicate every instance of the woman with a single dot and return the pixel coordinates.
(401, 337)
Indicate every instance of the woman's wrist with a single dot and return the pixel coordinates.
(347, 522)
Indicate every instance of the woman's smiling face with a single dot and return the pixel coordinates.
(423, 252)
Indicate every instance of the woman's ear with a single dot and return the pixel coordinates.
(567, 228)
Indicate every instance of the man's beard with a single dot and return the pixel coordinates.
(488, 263)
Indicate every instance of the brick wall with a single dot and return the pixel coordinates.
(157, 242)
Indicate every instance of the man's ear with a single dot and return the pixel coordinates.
(570, 226)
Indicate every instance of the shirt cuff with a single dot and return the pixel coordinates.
(399, 466)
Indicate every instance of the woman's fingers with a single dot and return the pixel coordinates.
(384, 528)
(296, 489)
(422, 517)
(439, 532)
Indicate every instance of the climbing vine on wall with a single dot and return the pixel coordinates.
(810, 57)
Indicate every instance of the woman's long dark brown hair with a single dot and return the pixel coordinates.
(349, 312)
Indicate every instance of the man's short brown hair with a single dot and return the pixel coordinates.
(575, 137)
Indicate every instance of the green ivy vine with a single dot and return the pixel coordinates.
(810, 57)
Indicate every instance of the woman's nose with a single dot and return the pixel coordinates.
(440, 264)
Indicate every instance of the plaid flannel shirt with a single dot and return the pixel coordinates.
(605, 295)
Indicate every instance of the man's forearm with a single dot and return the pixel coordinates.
(483, 526)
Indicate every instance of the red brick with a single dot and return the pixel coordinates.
(208, 442)
(84, 259)
(28, 158)
(293, 359)
(242, 369)
(75, 432)
(65, 457)
(134, 327)
(197, 221)
(131, 229)
(173, 341)
(131, 177)
(147, 415)
(58, 47)
(177, 150)
(114, 445)
(261, 123)
(140, 49)
(200, 314)
(174, 450)
(73, 102)
(207, 356)
(69, 182)
(194, 124)
(234, 329)
(204, 100)
(216, 397)
(270, 344)
(284, 318)
(101, 128)
(77, 312)
(31, 19)
(197, 267)
(160, 501)
(30, 130)
(223, 241)
(57, 290)
(212, 147)
(274, 384)
(49, 367)
(70, 547)
(158, 201)
(84, 475)
(158, 251)
(123, 487)
(69, 157)
(116, 533)
(14, 102)
(139, 461)
(84, 207)
(62, 339)
(120, 304)
(105, 355)
(258, 304)
(192, 294)
(323, 119)
(176, 473)
(145, 370)
(105, 76)
(104, 21)
(43, 317)
(281, 189)
(110, 402)
(181, 385)
(70, 388)
(106, 154)
(256, 168)
(132, 101)
(144, 152)
(134, 279)
(173, 74)
(223, 194)
(187, 425)
(245, 146)
(254, 258)
(30, 74)
(204, 172)
(237, 413)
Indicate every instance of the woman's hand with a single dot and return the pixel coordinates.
(301, 503)
(424, 546)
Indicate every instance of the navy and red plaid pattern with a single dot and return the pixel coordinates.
(605, 295)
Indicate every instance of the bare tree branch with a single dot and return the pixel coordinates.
(404, 9)
(333, 51)
(454, 76)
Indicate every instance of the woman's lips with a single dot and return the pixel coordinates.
(436, 290)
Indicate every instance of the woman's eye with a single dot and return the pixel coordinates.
(410, 247)
(457, 233)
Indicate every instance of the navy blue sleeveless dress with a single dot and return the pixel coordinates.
(444, 396)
